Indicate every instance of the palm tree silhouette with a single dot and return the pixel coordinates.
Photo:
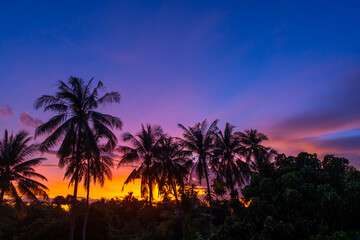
(218, 186)
(143, 149)
(256, 154)
(97, 169)
(175, 166)
(227, 162)
(76, 124)
(93, 168)
(17, 171)
(199, 140)
(191, 207)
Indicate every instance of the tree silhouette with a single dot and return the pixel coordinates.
(93, 168)
(17, 171)
(59, 200)
(97, 169)
(199, 140)
(227, 162)
(143, 149)
(175, 166)
(76, 123)
(218, 187)
(256, 154)
(191, 206)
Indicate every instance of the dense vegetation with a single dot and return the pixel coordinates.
(251, 191)
(299, 198)
(292, 198)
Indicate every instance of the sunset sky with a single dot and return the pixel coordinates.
(291, 70)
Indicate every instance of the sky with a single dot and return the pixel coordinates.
(290, 69)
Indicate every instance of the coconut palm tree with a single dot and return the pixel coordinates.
(199, 140)
(143, 150)
(256, 154)
(191, 207)
(77, 123)
(97, 170)
(227, 162)
(175, 166)
(17, 172)
(94, 169)
(218, 187)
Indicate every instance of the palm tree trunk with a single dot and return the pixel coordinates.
(87, 203)
(153, 230)
(76, 175)
(178, 204)
(210, 202)
(256, 156)
(232, 190)
(232, 196)
(230, 181)
(74, 199)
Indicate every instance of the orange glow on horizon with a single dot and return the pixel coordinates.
(111, 189)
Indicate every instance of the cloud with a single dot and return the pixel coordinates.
(6, 112)
(28, 121)
(342, 144)
(347, 147)
(339, 110)
(318, 122)
(329, 125)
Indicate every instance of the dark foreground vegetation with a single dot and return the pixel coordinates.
(249, 191)
(293, 198)
(299, 198)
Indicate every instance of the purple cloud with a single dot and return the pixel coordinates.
(330, 125)
(6, 112)
(342, 144)
(347, 147)
(339, 110)
(28, 121)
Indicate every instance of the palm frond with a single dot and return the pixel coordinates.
(111, 97)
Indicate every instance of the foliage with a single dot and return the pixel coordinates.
(77, 125)
(227, 163)
(300, 198)
(282, 197)
(17, 170)
(199, 139)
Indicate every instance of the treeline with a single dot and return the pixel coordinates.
(290, 197)
(299, 198)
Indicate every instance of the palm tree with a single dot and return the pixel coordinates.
(175, 166)
(77, 123)
(17, 171)
(94, 169)
(227, 162)
(255, 152)
(99, 169)
(199, 140)
(218, 186)
(143, 149)
(191, 207)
